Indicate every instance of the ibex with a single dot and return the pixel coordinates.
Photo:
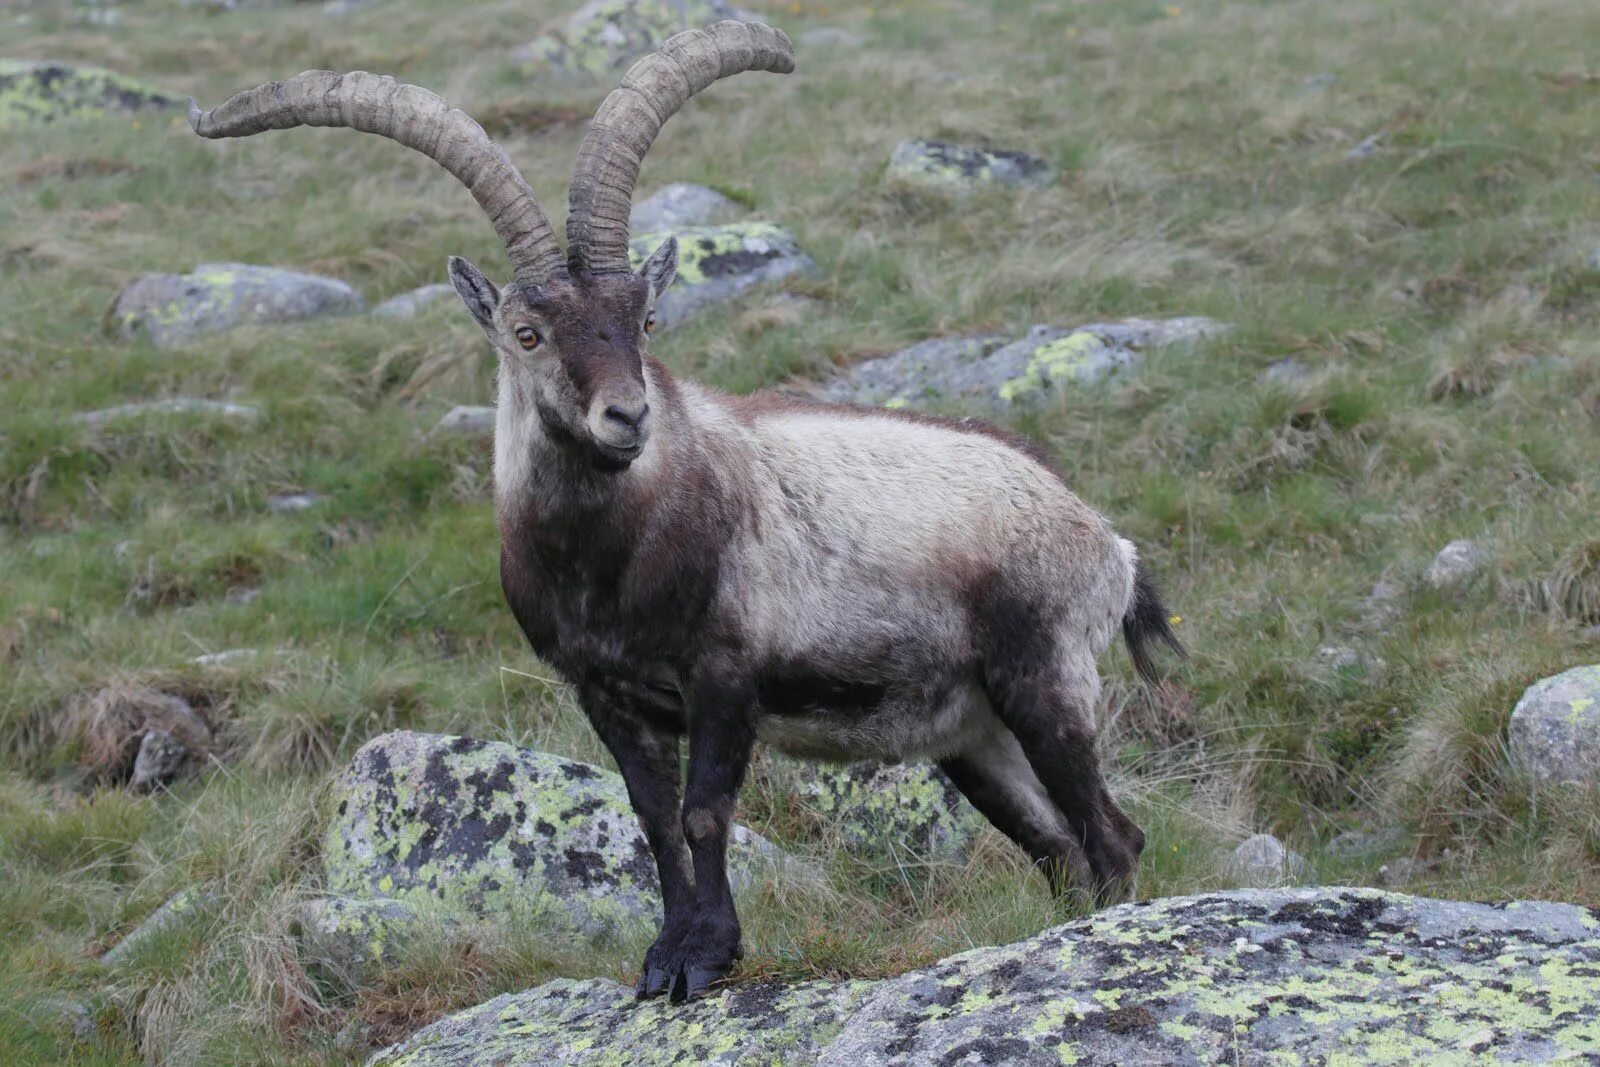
(842, 583)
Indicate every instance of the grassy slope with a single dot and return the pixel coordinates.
(1437, 290)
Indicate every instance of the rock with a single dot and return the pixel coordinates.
(718, 263)
(467, 419)
(1384, 605)
(111, 726)
(605, 36)
(35, 92)
(1555, 727)
(490, 830)
(172, 308)
(348, 940)
(1402, 871)
(1367, 147)
(242, 596)
(1263, 861)
(1455, 566)
(1285, 371)
(407, 305)
(227, 657)
(284, 503)
(177, 405)
(1353, 844)
(996, 374)
(826, 37)
(1342, 659)
(894, 811)
(182, 907)
(1251, 976)
(678, 205)
(941, 165)
(162, 757)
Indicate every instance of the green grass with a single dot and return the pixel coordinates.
(1439, 291)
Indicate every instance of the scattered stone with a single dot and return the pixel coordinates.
(1555, 728)
(467, 419)
(1342, 659)
(242, 596)
(1456, 565)
(679, 205)
(1353, 844)
(407, 305)
(161, 759)
(1262, 861)
(285, 503)
(72, 1012)
(1367, 147)
(180, 908)
(605, 36)
(1285, 371)
(1402, 871)
(172, 308)
(1384, 605)
(825, 37)
(36, 92)
(177, 405)
(995, 373)
(348, 940)
(1289, 975)
(896, 811)
(948, 166)
(489, 830)
(112, 724)
(718, 263)
(227, 657)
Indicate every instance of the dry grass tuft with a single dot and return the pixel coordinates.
(110, 723)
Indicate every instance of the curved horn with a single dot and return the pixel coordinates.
(417, 119)
(652, 91)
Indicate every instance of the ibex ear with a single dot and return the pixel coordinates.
(661, 267)
(476, 291)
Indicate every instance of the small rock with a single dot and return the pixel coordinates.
(177, 405)
(1384, 605)
(1402, 871)
(892, 810)
(824, 37)
(1367, 147)
(226, 657)
(36, 92)
(407, 305)
(182, 907)
(1285, 371)
(173, 308)
(284, 503)
(679, 205)
(347, 940)
(605, 36)
(948, 166)
(242, 596)
(1455, 566)
(719, 263)
(1555, 728)
(1346, 660)
(1353, 844)
(467, 419)
(1263, 861)
(162, 757)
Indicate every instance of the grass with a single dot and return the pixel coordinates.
(1439, 291)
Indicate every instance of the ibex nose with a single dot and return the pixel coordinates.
(630, 414)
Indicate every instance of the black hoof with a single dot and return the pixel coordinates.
(652, 983)
(695, 981)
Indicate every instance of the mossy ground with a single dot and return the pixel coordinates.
(1440, 290)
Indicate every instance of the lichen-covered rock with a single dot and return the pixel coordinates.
(1456, 565)
(718, 263)
(172, 308)
(897, 811)
(36, 92)
(182, 907)
(406, 305)
(162, 757)
(957, 167)
(680, 204)
(604, 36)
(1555, 728)
(1263, 861)
(996, 373)
(346, 940)
(491, 830)
(1326, 975)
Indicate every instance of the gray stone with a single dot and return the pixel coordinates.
(349, 940)
(604, 36)
(1354, 844)
(1368, 146)
(177, 405)
(894, 812)
(1555, 728)
(1384, 605)
(1285, 371)
(1456, 565)
(1291, 975)
(161, 759)
(942, 165)
(717, 264)
(1402, 871)
(228, 656)
(1262, 861)
(467, 419)
(34, 92)
(489, 830)
(1342, 659)
(678, 205)
(182, 907)
(408, 304)
(285, 503)
(993, 373)
(173, 308)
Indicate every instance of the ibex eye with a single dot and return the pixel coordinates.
(528, 337)
(650, 322)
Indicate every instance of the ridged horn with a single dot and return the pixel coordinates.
(417, 119)
(601, 194)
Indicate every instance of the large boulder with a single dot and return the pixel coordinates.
(718, 263)
(678, 205)
(605, 36)
(1555, 728)
(941, 165)
(34, 92)
(995, 373)
(1252, 976)
(172, 308)
(487, 830)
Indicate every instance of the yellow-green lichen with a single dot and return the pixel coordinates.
(604, 36)
(1072, 356)
(708, 252)
(51, 92)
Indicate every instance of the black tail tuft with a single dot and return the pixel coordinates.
(1145, 621)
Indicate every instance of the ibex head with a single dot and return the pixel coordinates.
(571, 330)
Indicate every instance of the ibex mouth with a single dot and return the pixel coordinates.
(618, 458)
